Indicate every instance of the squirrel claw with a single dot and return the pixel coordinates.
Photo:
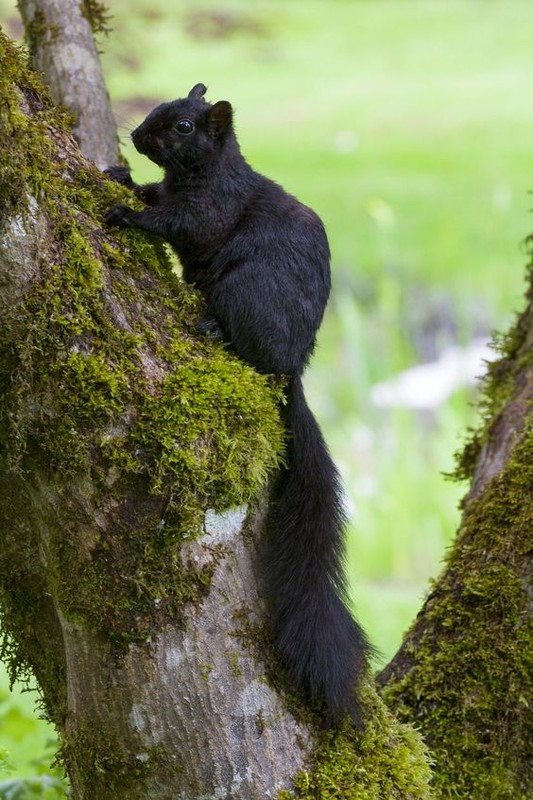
(120, 175)
(118, 215)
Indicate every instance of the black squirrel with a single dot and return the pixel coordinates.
(261, 260)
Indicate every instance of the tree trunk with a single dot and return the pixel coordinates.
(129, 589)
(137, 605)
(463, 672)
(63, 50)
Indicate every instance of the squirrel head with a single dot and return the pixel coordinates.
(185, 133)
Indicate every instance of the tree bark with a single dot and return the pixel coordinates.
(464, 669)
(136, 605)
(137, 681)
(191, 714)
(63, 50)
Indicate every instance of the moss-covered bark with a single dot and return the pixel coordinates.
(464, 672)
(142, 621)
(119, 426)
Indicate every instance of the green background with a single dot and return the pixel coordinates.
(406, 124)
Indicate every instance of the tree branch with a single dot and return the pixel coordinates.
(63, 50)
(463, 671)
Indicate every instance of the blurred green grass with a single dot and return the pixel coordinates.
(27, 747)
(407, 125)
(420, 105)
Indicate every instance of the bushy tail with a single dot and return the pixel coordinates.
(323, 648)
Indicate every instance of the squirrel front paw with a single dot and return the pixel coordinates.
(120, 175)
(119, 215)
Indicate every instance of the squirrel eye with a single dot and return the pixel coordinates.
(185, 126)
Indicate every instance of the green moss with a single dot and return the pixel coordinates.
(386, 762)
(235, 665)
(97, 15)
(109, 767)
(210, 413)
(108, 394)
(26, 607)
(15, 124)
(464, 673)
(500, 382)
(40, 29)
(469, 687)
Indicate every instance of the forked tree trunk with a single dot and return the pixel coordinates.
(137, 607)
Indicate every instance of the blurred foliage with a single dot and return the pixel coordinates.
(41, 786)
(407, 126)
(27, 749)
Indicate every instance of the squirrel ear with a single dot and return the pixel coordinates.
(197, 91)
(219, 118)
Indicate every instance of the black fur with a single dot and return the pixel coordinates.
(261, 259)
